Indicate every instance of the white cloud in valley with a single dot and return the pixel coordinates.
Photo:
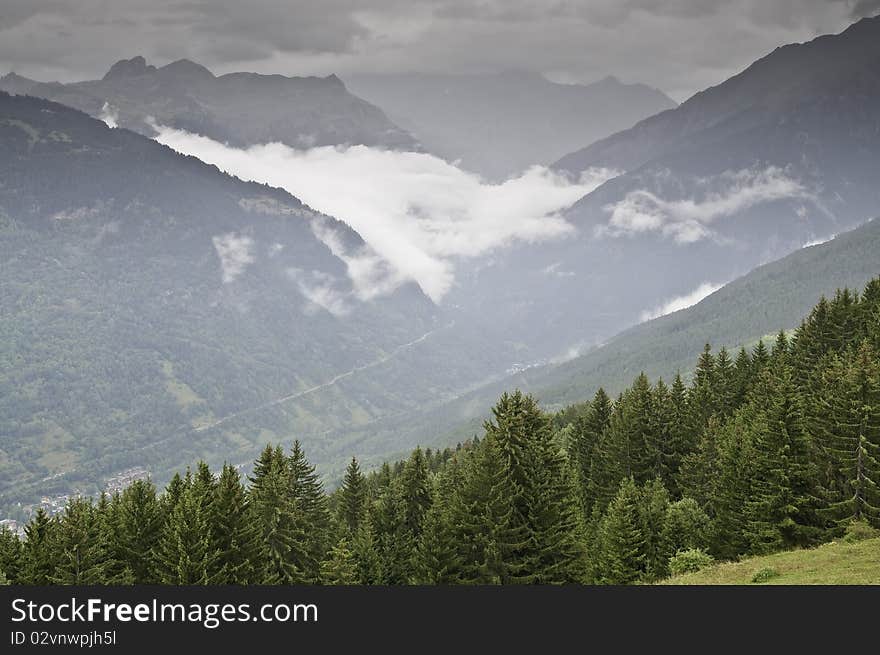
(680, 302)
(688, 220)
(417, 213)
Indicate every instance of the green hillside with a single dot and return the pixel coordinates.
(833, 563)
(774, 296)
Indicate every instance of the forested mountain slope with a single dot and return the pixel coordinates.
(768, 449)
(155, 310)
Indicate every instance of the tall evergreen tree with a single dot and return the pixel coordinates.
(621, 538)
(38, 557)
(353, 498)
(84, 556)
(137, 525)
(10, 554)
(278, 520)
(782, 508)
(185, 553)
(587, 432)
(311, 501)
(847, 423)
(235, 534)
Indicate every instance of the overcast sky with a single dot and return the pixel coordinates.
(679, 46)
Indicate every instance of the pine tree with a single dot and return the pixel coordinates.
(488, 534)
(435, 560)
(185, 553)
(742, 377)
(353, 498)
(340, 567)
(279, 523)
(84, 556)
(622, 541)
(760, 358)
(366, 559)
(724, 383)
(782, 508)
(311, 501)
(38, 560)
(235, 535)
(654, 506)
(703, 392)
(137, 525)
(10, 554)
(847, 424)
(679, 439)
(583, 447)
(729, 485)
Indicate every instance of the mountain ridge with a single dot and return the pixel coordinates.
(242, 109)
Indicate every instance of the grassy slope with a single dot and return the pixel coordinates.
(834, 563)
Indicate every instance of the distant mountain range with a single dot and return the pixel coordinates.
(241, 109)
(500, 124)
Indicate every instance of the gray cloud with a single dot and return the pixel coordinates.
(679, 46)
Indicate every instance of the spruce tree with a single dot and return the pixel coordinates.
(621, 538)
(10, 554)
(353, 498)
(654, 506)
(583, 447)
(185, 553)
(847, 423)
(729, 485)
(435, 559)
(486, 530)
(38, 557)
(680, 441)
(235, 534)
(340, 567)
(137, 526)
(84, 552)
(311, 501)
(279, 523)
(782, 507)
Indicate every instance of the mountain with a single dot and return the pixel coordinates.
(154, 310)
(500, 124)
(771, 297)
(238, 108)
(781, 155)
(793, 100)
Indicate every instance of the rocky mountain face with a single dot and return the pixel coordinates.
(498, 125)
(239, 108)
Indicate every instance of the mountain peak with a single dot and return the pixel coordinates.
(187, 69)
(610, 80)
(129, 68)
(16, 84)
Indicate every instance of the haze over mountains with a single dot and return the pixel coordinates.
(781, 158)
(239, 108)
(500, 124)
(158, 310)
